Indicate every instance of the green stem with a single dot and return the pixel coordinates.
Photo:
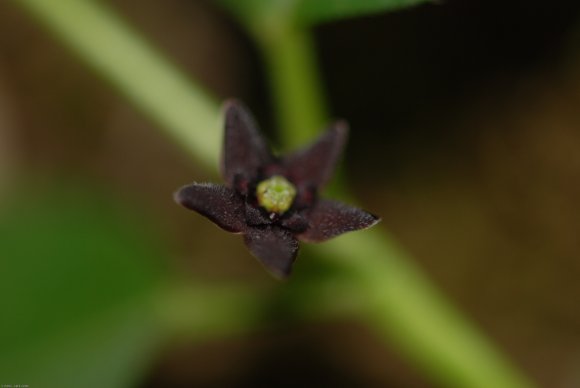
(105, 42)
(295, 83)
(402, 304)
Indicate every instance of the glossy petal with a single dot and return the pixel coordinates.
(275, 247)
(313, 166)
(331, 218)
(245, 151)
(218, 203)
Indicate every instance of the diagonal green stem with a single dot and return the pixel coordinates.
(401, 303)
(405, 307)
(295, 85)
(98, 36)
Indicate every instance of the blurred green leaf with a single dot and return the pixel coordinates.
(311, 12)
(78, 276)
(271, 13)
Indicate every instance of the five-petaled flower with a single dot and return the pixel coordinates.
(273, 201)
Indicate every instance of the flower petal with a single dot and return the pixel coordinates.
(255, 216)
(218, 203)
(331, 218)
(276, 248)
(245, 151)
(313, 166)
(296, 222)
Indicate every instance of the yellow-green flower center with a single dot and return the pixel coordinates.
(275, 194)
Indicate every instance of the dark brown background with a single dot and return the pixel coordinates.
(466, 139)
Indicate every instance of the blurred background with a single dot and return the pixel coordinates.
(465, 120)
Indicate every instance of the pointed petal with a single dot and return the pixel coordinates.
(218, 203)
(296, 222)
(255, 216)
(245, 151)
(331, 218)
(275, 247)
(313, 166)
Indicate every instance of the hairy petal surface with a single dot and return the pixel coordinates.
(244, 150)
(296, 223)
(274, 247)
(218, 203)
(314, 165)
(331, 218)
(255, 216)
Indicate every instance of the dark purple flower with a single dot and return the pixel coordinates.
(273, 201)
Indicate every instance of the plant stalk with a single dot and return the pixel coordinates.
(296, 87)
(402, 303)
